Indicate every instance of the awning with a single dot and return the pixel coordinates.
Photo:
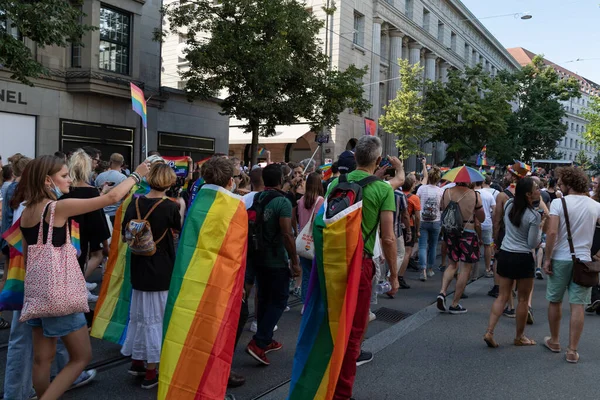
(283, 134)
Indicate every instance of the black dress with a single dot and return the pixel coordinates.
(93, 228)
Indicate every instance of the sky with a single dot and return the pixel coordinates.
(562, 31)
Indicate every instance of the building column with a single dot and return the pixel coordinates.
(494, 71)
(430, 59)
(375, 68)
(475, 59)
(395, 54)
(414, 53)
(405, 49)
(444, 71)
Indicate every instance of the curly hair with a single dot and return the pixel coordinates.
(574, 178)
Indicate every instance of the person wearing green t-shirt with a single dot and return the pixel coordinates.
(378, 208)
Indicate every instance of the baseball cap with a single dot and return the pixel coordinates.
(346, 162)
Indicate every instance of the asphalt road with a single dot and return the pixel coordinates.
(425, 356)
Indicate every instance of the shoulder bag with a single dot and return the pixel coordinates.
(305, 244)
(585, 273)
(54, 284)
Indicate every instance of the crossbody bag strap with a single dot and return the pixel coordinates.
(569, 237)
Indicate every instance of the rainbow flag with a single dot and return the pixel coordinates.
(327, 172)
(75, 236)
(11, 297)
(199, 163)
(482, 157)
(261, 152)
(111, 315)
(330, 306)
(205, 298)
(181, 167)
(138, 102)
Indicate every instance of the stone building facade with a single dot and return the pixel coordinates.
(86, 98)
(437, 34)
(573, 141)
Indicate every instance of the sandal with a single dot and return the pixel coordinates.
(572, 356)
(488, 338)
(553, 347)
(524, 341)
(4, 324)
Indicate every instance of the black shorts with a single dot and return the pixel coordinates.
(410, 243)
(515, 265)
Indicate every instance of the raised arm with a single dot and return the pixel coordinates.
(425, 179)
(72, 207)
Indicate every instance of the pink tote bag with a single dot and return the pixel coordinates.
(54, 284)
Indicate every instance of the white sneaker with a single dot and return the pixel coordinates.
(91, 286)
(372, 316)
(92, 298)
(430, 273)
(287, 308)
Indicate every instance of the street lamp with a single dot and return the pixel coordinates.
(524, 16)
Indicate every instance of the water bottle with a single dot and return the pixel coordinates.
(383, 287)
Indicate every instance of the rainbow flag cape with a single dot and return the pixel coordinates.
(11, 297)
(111, 315)
(482, 157)
(205, 298)
(75, 236)
(181, 167)
(330, 306)
(327, 172)
(138, 102)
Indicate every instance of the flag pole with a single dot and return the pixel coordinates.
(313, 156)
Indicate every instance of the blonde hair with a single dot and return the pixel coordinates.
(161, 177)
(80, 167)
(434, 175)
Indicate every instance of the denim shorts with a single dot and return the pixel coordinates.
(486, 237)
(59, 326)
(561, 280)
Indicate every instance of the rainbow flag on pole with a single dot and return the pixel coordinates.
(330, 306)
(138, 102)
(11, 297)
(111, 315)
(482, 157)
(327, 172)
(205, 298)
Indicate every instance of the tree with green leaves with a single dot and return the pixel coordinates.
(403, 115)
(45, 22)
(582, 160)
(538, 126)
(267, 58)
(592, 114)
(468, 111)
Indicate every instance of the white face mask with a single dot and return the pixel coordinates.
(233, 187)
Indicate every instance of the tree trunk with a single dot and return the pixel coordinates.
(254, 146)
(456, 159)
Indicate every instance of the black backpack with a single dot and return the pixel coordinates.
(346, 194)
(257, 243)
(452, 219)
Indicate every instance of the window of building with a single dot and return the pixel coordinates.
(467, 55)
(440, 34)
(453, 41)
(359, 29)
(115, 28)
(426, 19)
(577, 128)
(566, 142)
(409, 7)
(576, 144)
(572, 126)
(7, 26)
(76, 50)
(571, 143)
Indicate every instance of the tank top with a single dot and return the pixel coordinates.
(59, 234)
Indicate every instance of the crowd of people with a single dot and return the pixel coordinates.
(529, 225)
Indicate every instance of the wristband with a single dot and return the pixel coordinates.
(136, 177)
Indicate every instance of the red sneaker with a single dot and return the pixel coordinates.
(274, 346)
(257, 353)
